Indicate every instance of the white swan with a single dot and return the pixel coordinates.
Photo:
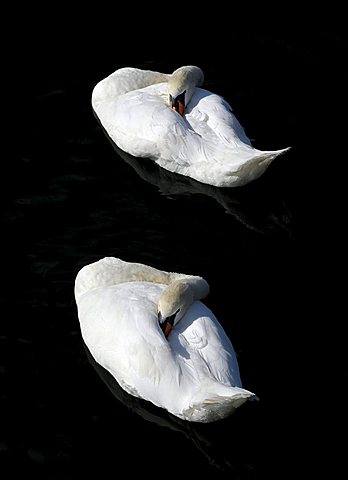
(184, 128)
(126, 311)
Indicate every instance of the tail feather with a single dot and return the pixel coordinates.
(208, 407)
(261, 159)
(250, 169)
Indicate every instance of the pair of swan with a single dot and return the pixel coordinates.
(184, 128)
(148, 328)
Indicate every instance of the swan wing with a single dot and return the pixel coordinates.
(210, 351)
(212, 117)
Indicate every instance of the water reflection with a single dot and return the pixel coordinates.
(207, 442)
(260, 209)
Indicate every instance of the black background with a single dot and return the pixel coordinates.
(69, 198)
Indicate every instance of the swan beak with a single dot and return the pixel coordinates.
(179, 107)
(167, 329)
(167, 324)
(177, 104)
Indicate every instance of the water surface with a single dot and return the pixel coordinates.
(71, 197)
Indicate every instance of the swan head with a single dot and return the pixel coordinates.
(173, 304)
(181, 86)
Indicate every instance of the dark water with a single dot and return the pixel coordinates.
(70, 197)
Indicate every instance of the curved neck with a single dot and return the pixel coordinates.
(123, 81)
(112, 271)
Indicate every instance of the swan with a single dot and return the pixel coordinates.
(148, 328)
(184, 128)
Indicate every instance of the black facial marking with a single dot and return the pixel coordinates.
(175, 101)
(169, 320)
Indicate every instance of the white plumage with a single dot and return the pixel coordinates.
(193, 373)
(207, 143)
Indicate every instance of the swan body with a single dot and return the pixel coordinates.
(182, 127)
(193, 373)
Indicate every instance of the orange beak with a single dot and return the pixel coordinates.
(167, 325)
(177, 104)
(167, 329)
(179, 107)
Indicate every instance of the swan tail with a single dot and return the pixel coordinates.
(251, 168)
(270, 154)
(261, 158)
(210, 407)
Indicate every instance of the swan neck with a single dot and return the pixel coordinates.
(112, 271)
(123, 81)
